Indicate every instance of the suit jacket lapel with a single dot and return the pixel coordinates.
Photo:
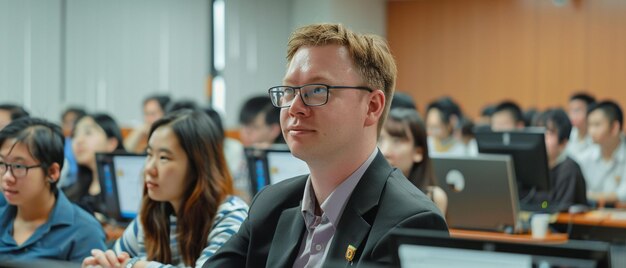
(287, 239)
(354, 226)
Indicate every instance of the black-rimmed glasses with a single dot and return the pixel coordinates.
(18, 170)
(311, 94)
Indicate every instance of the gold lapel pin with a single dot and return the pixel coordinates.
(350, 252)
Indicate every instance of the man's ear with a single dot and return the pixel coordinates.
(375, 107)
(54, 172)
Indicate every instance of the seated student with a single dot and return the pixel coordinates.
(566, 178)
(39, 221)
(10, 112)
(442, 118)
(580, 141)
(485, 116)
(68, 121)
(402, 100)
(507, 116)
(335, 96)
(403, 143)
(188, 209)
(603, 166)
(260, 123)
(93, 134)
(153, 109)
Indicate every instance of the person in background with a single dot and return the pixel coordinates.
(567, 184)
(188, 209)
(10, 112)
(260, 123)
(234, 158)
(68, 121)
(39, 221)
(403, 143)
(334, 99)
(94, 133)
(465, 134)
(580, 142)
(604, 165)
(402, 100)
(507, 116)
(485, 116)
(153, 109)
(531, 116)
(442, 118)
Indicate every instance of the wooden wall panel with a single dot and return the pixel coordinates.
(530, 51)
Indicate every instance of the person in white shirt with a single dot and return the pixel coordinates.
(507, 116)
(580, 142)
(603, 167)
(442, 116)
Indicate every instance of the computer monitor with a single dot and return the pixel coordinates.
(272, 165)
(528, 149)
(428, 248)
(484, 183)
(121, 183)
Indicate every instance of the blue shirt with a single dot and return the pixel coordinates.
(69, 234)
(230, 214)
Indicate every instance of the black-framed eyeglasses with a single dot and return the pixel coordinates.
(311, 94)
(18, 170)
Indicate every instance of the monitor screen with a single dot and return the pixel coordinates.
(121, 183)
(528, 149)
(427, 248)
(272, 165)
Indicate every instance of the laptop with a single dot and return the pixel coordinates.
(481, 190)
(122, 183)
(272, 165)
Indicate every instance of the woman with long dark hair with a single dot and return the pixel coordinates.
(94, 133)
(188, 209)
(38, 221)
(403, 143)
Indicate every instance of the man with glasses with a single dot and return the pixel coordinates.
(333, 100)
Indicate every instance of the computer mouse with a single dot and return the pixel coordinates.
(577, 209)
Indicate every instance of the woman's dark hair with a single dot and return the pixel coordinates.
(44, 140)
(84, 175)
(557, 120)
(16, 111)
(401, 123)
(162, 100)
(207, 185)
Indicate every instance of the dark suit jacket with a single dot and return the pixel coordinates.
(382, 200)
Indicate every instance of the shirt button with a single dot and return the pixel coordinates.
(318, 247)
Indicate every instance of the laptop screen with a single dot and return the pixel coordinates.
(121, 183)
(271, 166)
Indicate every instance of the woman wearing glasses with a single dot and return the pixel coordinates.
(188, 209)
(38, 220)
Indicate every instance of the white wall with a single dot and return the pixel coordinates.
(257, 34)
(116, 53)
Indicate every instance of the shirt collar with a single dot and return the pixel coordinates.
(618, 154)
(333, 206)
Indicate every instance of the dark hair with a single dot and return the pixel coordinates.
(557, 120)
(84, 176)
(582, 96)
(217, 120)
(402, 122)
(402, 100)
(209, 183)
(511, 108)
(162, 100)
(44, 140)
(488, 110)
(467, 126)
(16, 111)
(79, 112)
(259, 105)
(530, 117)
(611, 109)
(446, 107)
(181, 105)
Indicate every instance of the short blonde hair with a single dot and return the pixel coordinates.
(370, 55)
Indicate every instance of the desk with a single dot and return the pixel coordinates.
(604, 225)
(551, 238)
